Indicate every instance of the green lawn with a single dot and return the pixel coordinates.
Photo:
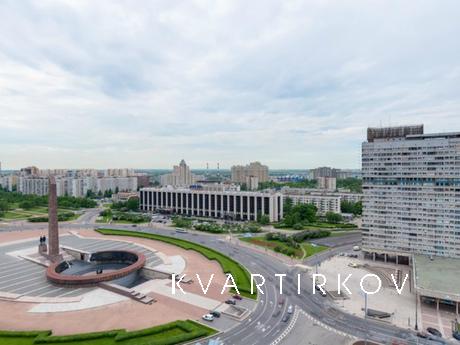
(20, 214)
(311, 249)
(308, 248)
(172, 333)
(239, 273)
(261, 241)
(343, 232)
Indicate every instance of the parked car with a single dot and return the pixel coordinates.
(238, 297)
(208, 317)
(230, 301)
(281, 301)
(290, 309)
(286, 318)
(434, 331)
(215, 313)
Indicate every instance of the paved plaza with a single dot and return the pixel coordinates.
(20, 277)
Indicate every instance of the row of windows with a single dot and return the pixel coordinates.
(229, 203)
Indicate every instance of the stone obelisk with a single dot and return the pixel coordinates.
(53, 229)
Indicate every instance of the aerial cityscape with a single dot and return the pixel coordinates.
(229, 173)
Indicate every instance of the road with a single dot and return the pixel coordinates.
(263, 327)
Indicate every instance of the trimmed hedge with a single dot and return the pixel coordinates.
(239, 273)
(158, 335)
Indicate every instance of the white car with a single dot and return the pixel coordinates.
(208, 317)
(290, 310)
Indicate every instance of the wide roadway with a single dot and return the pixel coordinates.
(262, 327)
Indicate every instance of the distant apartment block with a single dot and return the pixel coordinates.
(33, 185)
(411, 186)
(181, 176)
(251, 174)
(324, 203)
(76, 183)
(235, 205)
(328, 183)
(324, 200)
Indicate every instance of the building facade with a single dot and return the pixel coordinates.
(181, 176)
(328, 183)
(411, 186)
(255, 170)
(324, 203)
(224, 204)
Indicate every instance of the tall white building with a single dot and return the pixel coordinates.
(181, 176)
(411, 186)
(236, 205)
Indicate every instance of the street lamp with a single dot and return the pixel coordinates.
(416, 310)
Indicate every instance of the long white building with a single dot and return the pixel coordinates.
(411, 185)
(236, 205)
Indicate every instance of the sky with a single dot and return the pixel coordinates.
(293, 84)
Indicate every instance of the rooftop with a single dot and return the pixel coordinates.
(437, 278)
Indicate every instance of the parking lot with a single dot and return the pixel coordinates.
(25, 278)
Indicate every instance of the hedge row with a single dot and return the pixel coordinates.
(157, 335)
(239, 273)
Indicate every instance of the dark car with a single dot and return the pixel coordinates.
(423, 335)
(215, 313)
(456, 335)
(230, 301)
(286, 318)
(238, 297)
(434, 331)
(276, 313)
(281, 301)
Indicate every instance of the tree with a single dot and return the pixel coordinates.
(333, 217)
(355, 208)
(263, 219)
(287, 207)
(132, 204)
(3, 207)
(26, 205)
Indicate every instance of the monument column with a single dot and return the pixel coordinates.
(53, 230)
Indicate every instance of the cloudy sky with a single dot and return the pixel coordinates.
(293, 84)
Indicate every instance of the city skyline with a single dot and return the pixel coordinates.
(144, 86)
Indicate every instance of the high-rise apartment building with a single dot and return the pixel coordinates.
(411, 186)
(181, 176)
(255, 170)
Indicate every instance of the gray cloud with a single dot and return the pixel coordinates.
(293, 84)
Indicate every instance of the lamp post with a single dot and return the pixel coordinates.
(416, 310)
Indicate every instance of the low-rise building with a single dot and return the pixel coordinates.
(236, 205)
(324, 203)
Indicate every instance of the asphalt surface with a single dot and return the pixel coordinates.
(265, 323)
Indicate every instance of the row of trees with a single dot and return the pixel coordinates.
(296, 216)
(11, 200)
(298, 184)
(214, 227)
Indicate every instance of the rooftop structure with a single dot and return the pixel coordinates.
(437, 278)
